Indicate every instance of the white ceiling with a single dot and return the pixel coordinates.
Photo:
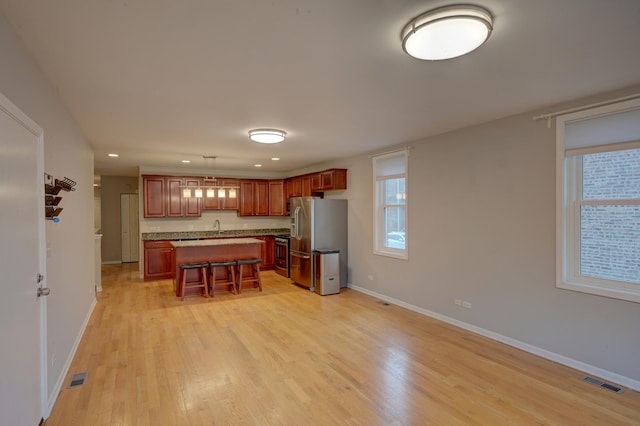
(159, 81)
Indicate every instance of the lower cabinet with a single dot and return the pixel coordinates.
(158, 260)
(267, 252)
(158, 257)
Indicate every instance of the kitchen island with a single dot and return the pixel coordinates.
(215, 250)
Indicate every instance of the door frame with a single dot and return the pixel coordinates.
(14, 112)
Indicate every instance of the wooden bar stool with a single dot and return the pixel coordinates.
(203, 283)
(254, 278)
(230, 275)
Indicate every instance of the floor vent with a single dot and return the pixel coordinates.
(77, 379)
(602, 384)
(383, 303)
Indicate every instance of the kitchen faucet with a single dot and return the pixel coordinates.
(216, 226)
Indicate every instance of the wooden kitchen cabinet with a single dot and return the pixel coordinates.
(163, 197)
(294, 187)
(246, 198)
(228, 202)
(277, 200)
(210, 203)
(158, 260)
(177, 204)
(328, 180)
(254, 198)
(154, 196)
(267, 252)
(306, 186)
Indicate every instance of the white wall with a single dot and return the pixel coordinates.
(482, 229)
(70, 246)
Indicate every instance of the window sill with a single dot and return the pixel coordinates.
(401, 256)
(629, 295)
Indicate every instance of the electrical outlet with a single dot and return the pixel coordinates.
(189, 227)
(458, 302)
(371, 277)
(466, 304)
(53, 359)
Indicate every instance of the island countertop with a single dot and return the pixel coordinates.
(216, 242)
(196, 235)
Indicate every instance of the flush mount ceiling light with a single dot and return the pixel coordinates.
(447, 32)
(267, 135)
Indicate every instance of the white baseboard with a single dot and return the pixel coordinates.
(560, 359)
(112, 262)
(53, 396)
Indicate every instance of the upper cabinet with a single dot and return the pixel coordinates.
(254, 197)
(315, 183)
(329, 180)
(163, 197)
(223, 196)
(277, 200)
(154, 196)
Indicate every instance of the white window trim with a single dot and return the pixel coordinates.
(567, 237)
(378, 220)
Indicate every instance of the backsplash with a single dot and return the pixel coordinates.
(229, 221)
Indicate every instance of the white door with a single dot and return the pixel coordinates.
(22, 312)
(129, 227)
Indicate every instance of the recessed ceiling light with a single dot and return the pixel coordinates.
(267, 135)
(447, 32)
(113, 155)
(186, 161)
(275, 158)
(257, 165)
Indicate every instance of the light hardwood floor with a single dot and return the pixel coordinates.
(290, 357)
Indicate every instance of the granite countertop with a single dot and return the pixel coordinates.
(216, 242)
(196, 235)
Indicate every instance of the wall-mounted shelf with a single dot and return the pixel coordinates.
(51, 188)
(51, 212)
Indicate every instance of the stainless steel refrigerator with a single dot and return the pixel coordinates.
(316, 224)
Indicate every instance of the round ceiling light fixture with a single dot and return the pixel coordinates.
(447, 32)
(267, 135)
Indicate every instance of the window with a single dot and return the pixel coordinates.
(598, 182)
(390, 176)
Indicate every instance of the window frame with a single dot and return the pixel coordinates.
(568, 205)
(380, 204)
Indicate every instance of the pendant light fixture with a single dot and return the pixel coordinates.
(447, 32)
(267, 135)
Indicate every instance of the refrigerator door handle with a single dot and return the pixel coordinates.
(298, 230)
(302, 256)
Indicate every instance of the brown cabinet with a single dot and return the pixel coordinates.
(177, 204)
(254, 198)
(232, 194)
(329, 180)
(154, 196)
(210, 200)
(294, 187)
(246, 198)
(163, 197)
(306, 186)
(216, 201)
(158, 260)
(267, 252)
(277, 201)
